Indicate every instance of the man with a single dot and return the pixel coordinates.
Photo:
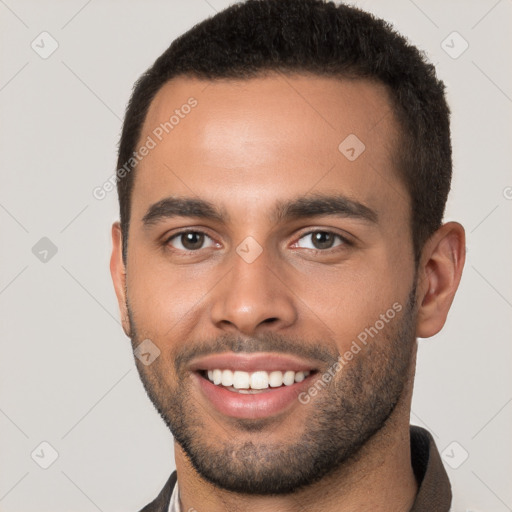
(283, 172)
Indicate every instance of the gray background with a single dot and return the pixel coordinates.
(67, 374)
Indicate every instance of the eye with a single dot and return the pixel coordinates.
(189, 240)
(321, 240)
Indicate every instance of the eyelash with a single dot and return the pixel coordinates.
(344, 240)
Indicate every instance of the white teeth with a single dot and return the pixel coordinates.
(259, 380)
(227, 378)
(243, 381)
(275, 379)
(288, 378)
(217, 377)
(299, 377)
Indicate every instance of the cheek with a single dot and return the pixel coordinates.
(363, 301)
(162, 301)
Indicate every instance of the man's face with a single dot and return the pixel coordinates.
(262, 287)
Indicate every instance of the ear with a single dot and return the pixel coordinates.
(439, 273)
(118, 273)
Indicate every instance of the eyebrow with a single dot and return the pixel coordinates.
(323, 205)
(300, 208)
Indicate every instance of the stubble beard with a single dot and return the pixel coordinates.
(344, 415)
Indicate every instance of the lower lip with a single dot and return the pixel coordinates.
(251, 406)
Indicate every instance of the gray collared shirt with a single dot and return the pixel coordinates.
(174, 504)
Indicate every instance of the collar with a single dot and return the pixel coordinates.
(434, 490)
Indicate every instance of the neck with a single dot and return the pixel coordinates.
(378, 478)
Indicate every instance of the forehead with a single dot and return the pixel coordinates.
(266, 137)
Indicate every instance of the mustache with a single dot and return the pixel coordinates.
(267, 342)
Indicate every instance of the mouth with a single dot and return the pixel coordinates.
(252, 386)
(255, 382)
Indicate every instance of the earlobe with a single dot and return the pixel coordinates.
(439, 275)
(118, 273)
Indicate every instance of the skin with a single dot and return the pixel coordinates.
(246, 146)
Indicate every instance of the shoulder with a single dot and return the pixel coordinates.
(161, 502)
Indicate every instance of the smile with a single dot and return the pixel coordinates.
(247, 382)
(252, 385)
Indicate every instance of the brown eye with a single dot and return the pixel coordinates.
(189, 240)
(321, 240)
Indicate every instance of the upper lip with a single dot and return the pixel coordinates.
(251, 362)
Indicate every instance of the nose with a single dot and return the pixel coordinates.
(253, 297)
